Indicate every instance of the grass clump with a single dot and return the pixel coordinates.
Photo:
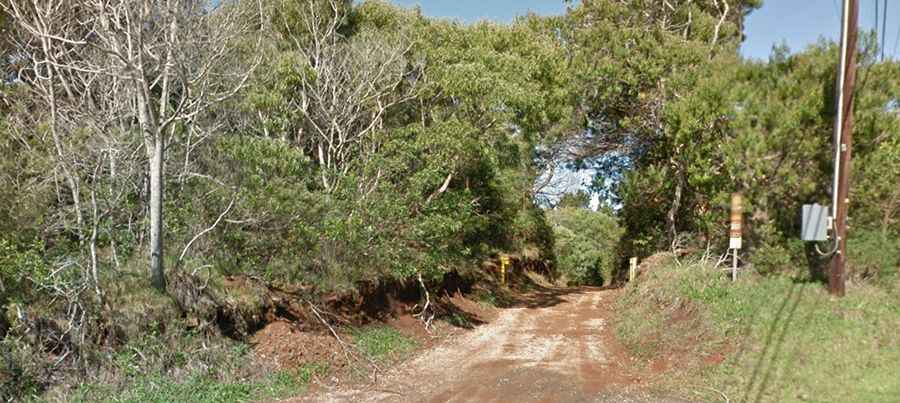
(383, 343)
(783, 339)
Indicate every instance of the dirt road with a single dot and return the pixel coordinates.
(557, 347)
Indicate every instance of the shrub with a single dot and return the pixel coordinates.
(18, 263)
(586, 245)
(770, 259)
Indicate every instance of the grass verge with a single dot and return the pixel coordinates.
(779, 339)
(383, 343)
(203, 388)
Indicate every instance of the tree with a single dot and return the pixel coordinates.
(345, 84)
(586, 245)
(153, 68)
(434, 168)
(575, 200)
(630, 60)
(764, 129)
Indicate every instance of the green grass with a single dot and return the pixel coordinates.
(382, 343)
(186, 367)
(785, 340)
(200, 389)
(487, 298)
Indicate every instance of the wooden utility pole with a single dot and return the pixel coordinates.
(844, 124)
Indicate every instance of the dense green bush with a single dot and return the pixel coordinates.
(444, 181)
(20, 265)
(763, 129)
(586, 245)
(770, 259)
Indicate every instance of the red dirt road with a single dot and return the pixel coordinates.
(557, 347)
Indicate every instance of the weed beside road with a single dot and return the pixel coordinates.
(383, 343)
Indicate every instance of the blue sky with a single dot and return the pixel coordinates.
(801, 22)
(796, 22)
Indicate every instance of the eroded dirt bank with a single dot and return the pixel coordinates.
(558, 346)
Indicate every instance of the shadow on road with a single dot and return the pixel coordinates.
(465, 315)
(543, 297)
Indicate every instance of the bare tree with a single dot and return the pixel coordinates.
(161, 65)
(347, 85)
(40, 22)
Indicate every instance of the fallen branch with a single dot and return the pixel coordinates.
(350, 351)
(423, 315)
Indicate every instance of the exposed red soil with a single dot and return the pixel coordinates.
(286, 344)
(283, 346)
(556, 345)
(409, 326)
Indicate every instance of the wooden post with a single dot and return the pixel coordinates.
(735, 236)
(734, 263)
(632, 269)
(504, 262)
(844, 146)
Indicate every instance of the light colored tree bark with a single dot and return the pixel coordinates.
(167, 64)
(347, 87)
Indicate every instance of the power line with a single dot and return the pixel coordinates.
(837, 12)
(896, 41)
(883, 28)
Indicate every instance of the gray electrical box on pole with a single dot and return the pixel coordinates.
(814, 225)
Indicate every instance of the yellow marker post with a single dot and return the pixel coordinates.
(504, 263)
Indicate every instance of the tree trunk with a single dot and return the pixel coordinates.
(672, 214)
(157, 273)
(57, 142)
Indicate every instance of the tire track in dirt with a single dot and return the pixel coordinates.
(558, 348)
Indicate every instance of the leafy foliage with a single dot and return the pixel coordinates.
(762, 129)
(587, 245)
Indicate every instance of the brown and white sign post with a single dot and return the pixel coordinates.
(734, 242)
